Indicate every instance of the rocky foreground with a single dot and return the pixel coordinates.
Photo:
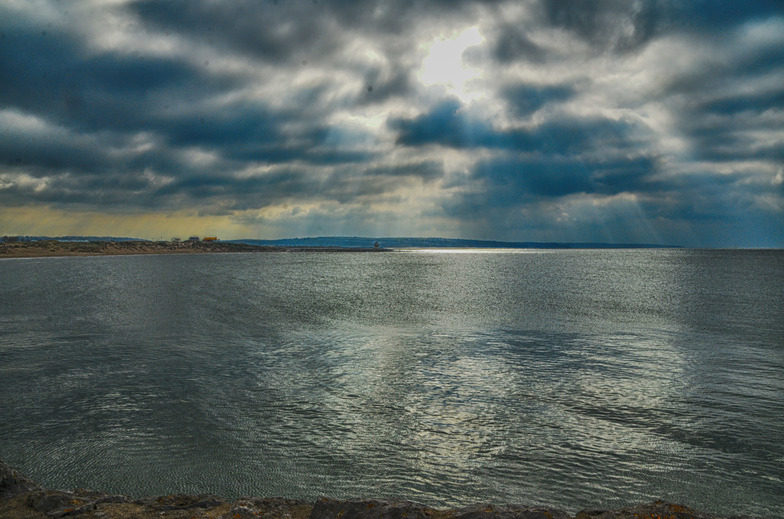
(22, 498)
(45, 248)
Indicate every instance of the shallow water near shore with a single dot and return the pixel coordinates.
(573, 378)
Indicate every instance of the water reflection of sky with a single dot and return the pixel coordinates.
(454, 408)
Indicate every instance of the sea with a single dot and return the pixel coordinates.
(570, 378)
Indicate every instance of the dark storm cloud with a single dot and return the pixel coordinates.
(527, 99)
(513, 45)
(508, 181)
(425, 170)
(730, 138)
(242, 193)
(57, 77)
(244, 133)
(347, 185)
(51, 151)
(711, 16)
(620, 24)
(33, 65)
(343, 185)
(754, 104)
(448, 125)
(724, 106)
(379, 88)
(262, 29)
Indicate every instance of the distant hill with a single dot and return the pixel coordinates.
(408, 243)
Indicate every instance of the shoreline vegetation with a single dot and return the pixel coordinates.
(55, 248)
(23, 498)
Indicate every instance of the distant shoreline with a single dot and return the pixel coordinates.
(54, 248)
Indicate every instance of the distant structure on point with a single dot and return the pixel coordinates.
(196, 238)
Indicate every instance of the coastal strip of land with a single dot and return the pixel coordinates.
(47, 248)
(23, 498)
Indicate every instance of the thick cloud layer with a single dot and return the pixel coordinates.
(602, 120)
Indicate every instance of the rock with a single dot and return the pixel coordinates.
(57, 503)
(274, 507)
(181, 502)
(657, 510)
(510, 512)
(325, 508)
(13, 483)
(591, 514)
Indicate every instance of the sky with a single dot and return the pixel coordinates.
(621, 121)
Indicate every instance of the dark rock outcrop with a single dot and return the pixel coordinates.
(181, 502)
(656, 510)
(367, 509)
(60, 503)
(510, 512)
(13, 482)
(272, 507)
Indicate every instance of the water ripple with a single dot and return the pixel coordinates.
(622, 376)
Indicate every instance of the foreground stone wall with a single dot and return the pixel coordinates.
(22, 498)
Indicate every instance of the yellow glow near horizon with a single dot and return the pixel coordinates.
(47, 221)
(444, 64)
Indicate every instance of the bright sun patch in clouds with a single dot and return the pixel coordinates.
(444, 63)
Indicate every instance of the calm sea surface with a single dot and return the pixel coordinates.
(571, 378)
